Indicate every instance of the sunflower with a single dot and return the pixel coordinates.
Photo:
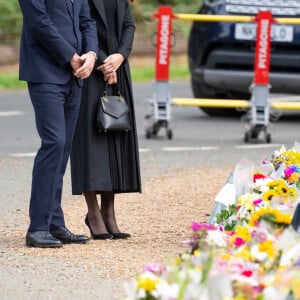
(273, 184)
(287, 193)
(283, 190)
(268, 195)
(270, 215)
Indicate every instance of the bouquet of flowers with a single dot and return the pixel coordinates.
(251, 251)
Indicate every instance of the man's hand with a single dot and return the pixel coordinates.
(111, 63)
(76, 62)
(88, 61)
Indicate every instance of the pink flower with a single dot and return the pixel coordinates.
(200, 226)
(155, 268)
(257, 202)
(288, 172)
(239, 242)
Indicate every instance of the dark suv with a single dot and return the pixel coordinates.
(221, 54)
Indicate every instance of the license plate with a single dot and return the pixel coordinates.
(279, 33)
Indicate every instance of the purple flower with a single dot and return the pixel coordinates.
(288, 171)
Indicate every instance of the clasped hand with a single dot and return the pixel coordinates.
(109, 67)
(83, 65)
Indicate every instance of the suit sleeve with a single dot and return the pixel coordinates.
(127, 35)
(43, 29)
(88, 29)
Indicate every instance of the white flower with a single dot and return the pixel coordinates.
(165, 291)
(216, 238)
(259, 255)
(261, 185)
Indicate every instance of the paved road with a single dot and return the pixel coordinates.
(199, 140)
(194, 132)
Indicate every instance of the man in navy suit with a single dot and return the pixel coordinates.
(58, 50)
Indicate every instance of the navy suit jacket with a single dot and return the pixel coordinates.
(53, 31)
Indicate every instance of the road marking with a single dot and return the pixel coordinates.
(259, 146)
(174, 149)
(12, 113)
(32, 154)
(144, 150)
(27, 154)
(204, 148)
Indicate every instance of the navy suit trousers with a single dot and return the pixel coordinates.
(56, 108)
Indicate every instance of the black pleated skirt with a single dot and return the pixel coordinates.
(104, 161)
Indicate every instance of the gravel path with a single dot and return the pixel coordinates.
(158, 220)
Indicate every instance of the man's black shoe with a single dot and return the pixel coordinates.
(41, 239)
(66, 236)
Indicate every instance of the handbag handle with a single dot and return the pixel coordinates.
(121, 98)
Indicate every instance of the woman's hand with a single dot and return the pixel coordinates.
(111, 78)
(111, 63)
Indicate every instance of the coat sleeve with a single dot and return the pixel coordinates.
(43, 30)
(127, 34)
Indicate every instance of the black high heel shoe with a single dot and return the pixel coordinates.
(120, 235)
(100, 236)
(116, 235)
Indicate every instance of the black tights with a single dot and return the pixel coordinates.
(102, 220)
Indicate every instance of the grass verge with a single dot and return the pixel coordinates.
(139, 74)
(11, 81)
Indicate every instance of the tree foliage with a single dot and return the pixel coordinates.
(10, 20)
(11, 17)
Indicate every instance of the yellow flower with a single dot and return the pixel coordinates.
(293, 194)
(267, 246)
(289, 157)
(293, 178)
(147, 282)
(275, 183)
(283, 189)
(243, 232)
(225, 256)
(268, 195)
(272, 215)
(296, 288)
(177, 261)
(246, 201)
(244, 253)
(283, 218)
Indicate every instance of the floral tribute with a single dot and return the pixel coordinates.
(251, 251)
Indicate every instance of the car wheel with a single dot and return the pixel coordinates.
(201, 90)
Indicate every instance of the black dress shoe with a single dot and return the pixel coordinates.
(120, 235)
(66, 236)
(42, 239)
(100, 236)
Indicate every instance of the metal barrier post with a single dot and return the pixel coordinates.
(161, 100)
(259, 102)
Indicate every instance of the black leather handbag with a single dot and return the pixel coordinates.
(113, 113)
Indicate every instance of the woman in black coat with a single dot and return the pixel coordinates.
(106, 163)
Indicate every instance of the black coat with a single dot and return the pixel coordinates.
(107, 161)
